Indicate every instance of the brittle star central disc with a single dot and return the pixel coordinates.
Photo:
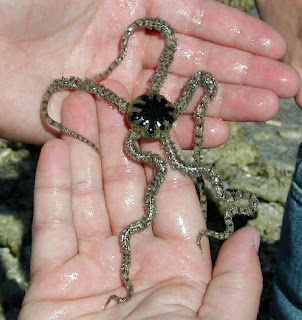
(151, 115)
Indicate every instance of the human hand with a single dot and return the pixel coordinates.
(83, 201)
(277, 13)
(43, 40)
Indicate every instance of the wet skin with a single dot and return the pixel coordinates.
(79, 215)
(151, 116)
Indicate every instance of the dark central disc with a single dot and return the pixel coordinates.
(151, 115)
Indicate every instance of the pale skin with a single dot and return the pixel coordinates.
(82, 203)
(278, 13)
(42, 40)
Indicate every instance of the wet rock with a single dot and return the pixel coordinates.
(2, 317)
(260, 157)
(244, 5)
(13, 228)
(17, 166)
(12, 268)
(13, 279)
(17, 169)
(12, 156)
(269, 221)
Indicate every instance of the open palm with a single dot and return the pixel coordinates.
(42, 40)
(83, 201)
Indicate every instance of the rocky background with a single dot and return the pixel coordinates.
(259, 157)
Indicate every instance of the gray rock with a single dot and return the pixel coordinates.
(260, 157)
(244, 5)
(12, 231)
(269, 221)
(10, 159)
(13, 279)
(13, 269)
(2, 316)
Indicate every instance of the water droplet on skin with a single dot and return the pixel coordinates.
(218, 100)
(196, 18)
(129, 200)
(284, 80)
(89, 179)
(57, 201)
(181, 301)
(266, 42)
(181, 223)
(241, 68)
(132, 5)
(185, 53)
(235, 29)
(129, 4)
(184, 267)
(200, 57)
(90, 210)
(67, 279)
(251, 40)
(126, 161)
(58, 313)
(174, 181)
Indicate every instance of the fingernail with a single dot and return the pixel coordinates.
(257, 239)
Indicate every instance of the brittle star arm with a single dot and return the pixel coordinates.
(194, 169)
(167, 55)
(151, 191)
(210, 88)
(87, 85)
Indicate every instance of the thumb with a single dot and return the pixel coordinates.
(235, 289)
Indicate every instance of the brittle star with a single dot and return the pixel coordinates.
(151, 116)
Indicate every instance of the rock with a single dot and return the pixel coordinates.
(11, 157)
(244, 5)
(269, 221)
(13, 228)
(2, 317)
(260, 157)
(13, 282)
(17, 169)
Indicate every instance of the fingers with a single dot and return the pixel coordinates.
(54, 238)
(88, 202)
(221, 24)
(231, 103)
(216, 132)
(124, 179)
(178, 208)
(228, 65)
(236, 286)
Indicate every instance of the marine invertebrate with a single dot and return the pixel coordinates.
(151, 116)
